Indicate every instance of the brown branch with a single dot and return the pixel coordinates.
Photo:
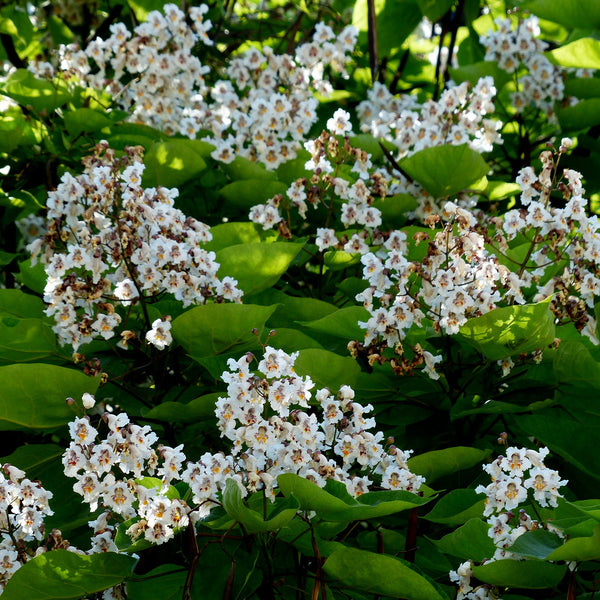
(372, 39)
(11, 52)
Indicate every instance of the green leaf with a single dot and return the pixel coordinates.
(586, 113)
(529, 574)
(172, 163)
(336, 260)
(252, 521)
(257, 265)
(536, 544)
(20, 304)
(434, 9)
(40, 95)
(475, 71)
(511, 330)
(85, 120)
(498, 190)
(456, 168)
(291, 309)
(332, 508)
(32, 277)
(342, 323)
(243, 168)
(64, 575)
(394, 208)
(578, 548)
(575, 366)
(581, 14)
(166, 582)
(380, 574)
(142, 8)
(216, 328)
(395, 22)
(190, 412)
(25, 340)
(470, 541)
(246, 193)
(232, 234)
(33, 395)
(583, 53)
(327, 369)
(437, 463)
(457, 507)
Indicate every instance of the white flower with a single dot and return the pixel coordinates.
(160, 334)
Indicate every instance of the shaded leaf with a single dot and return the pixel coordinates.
(456, 168)
(64, 575)
(437, 463)
(529, 574)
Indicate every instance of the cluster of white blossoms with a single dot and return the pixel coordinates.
(351, 201)
(23, 506)
(262, 416)
(266, 107)
(270, 434)
(469, 267)
(516, 476)
(262, 108)
(112, 243)
(557, 235)
(515, 47)
(152, 73)
(457, 118)
(457, 279)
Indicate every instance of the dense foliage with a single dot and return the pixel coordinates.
(299, 299)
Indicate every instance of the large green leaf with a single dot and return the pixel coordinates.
(232, 234)
(434, 9)
(511, 330)
(445, 170)
(574, 365)
(457, 507)
(342, 323)
(257, 265)
(172, 163)
(252, 521)
(216, 328)
(380, 574)
(246, 193)
(42, 96)
(85, 120)
(182, 412)
(586, 113)
(333, 508)
(470, 541)
(396, 20)
(536, 544)
(583, 53)
(529, 574)
(25, 340)
(291, 309)
(64, 575)
(437, 463)
(20, 304)
(166, 582)
(33, 395)
(327, 369)
(580, 14)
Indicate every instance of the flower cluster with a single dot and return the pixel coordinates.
(516, 476)
(337, 445)
(465, 271)
(351, 200)
(113, 472)
(266, 107)
(23, 506)
(518, 48)
(457, 279)
(151, 73)
(457, 118)
(112, 243)
(127, 450)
